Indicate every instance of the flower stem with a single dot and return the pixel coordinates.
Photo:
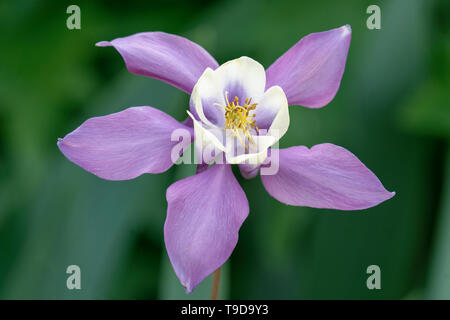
(215, 285)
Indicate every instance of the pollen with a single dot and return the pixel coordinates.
(239, 120)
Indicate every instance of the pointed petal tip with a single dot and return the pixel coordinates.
(186, 281)
(385, 197)
(310, 72)
(103, 44)
(197, 250)
(188, 289)
(105, 146)
(318, 176)
(347, 29)
(158, 55)
(389, 194)
(60, 143)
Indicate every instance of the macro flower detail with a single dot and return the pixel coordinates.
(237, 113)
(243, 132)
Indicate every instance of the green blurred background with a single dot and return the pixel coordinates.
(392, 111)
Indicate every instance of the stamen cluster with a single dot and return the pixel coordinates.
(239, 120)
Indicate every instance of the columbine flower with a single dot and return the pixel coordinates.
(236, 104)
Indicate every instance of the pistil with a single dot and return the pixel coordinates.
(239, 120)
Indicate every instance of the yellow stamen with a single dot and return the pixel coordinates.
(238, 120)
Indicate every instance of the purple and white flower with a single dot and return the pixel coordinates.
(240, 110)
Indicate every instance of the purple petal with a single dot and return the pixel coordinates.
(125, 144)
(167, 57)
(248, 171)
(204, 215)
(325, 176)
(310, 72)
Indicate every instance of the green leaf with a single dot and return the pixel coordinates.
(438, 285)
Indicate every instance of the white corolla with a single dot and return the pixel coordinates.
(235, 115)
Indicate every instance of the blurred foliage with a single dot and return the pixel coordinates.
(392, 111)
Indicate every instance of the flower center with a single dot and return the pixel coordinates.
(238, 119)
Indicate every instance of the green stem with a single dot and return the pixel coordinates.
(216, 284)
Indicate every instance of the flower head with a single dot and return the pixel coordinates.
(234, 114)
(238, 112)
